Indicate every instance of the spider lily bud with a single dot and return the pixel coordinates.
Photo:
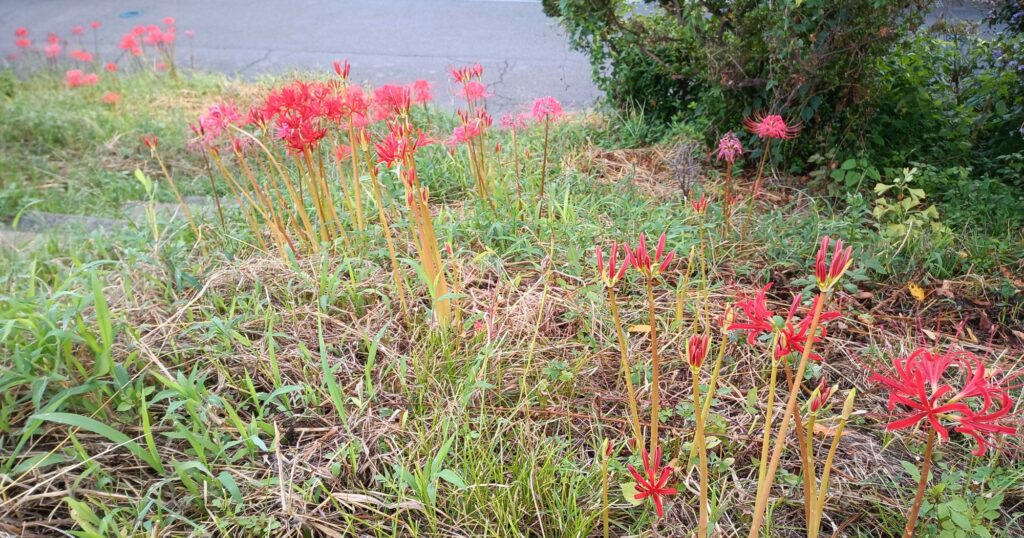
(829, 272)
(848, 404)
(697, 349)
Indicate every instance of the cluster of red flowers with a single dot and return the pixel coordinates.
(215, 127)
(922, 386)
(729, 147)
(793, 336)
(771, 126)
(76, 77)
(151, 35)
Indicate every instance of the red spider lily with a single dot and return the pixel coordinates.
(342, 68)
(546, 108)
(23, 42)
(21, 31)
(52, 38)
(130, 44)
(466, 73)
(95, 25)
(81, 56)
(639, 257)
(169, 21)
(795, 338)
(75, 78)
(473, 91)
(701, 205)
(111, 67)
(613, 272)
(513, 121)
(830, 273)
(190, 33)
(78, 30)
(697, 349)
(820, 396)
(399, 144)
(729, 147)
(111, 98)
(343, 151)
(150, 141)
(759, 318)
(653, 484)
(771, 126)
(52, 50)
(215, 126)
(421, 92)
(392, 99)
(919, 384)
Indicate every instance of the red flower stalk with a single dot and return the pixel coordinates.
(611, 273)
(701, 205)
(771, 126)
(653, 483)
(919, 384)
(729, 147)
(342, 68)
(641, 259)
(150, 141)
(830, 273)
(697, 350)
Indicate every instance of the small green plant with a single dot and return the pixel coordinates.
(902, 216)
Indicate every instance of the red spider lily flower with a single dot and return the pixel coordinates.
(81, 56)
(21, 31)
(466, 73)
(130, 44)
(342, 152)
(614, 271)
(700, 206)
(794, 338)
(421, 92)
(150, 141)
(342, 68)
(392, 99)
(464, 133)
(820, 396)
(112, 98)
(653, 483)
(52, 38)
(546, 108)
(771, 126)
(52, 50)
(513, 121)
(609, 448)
(830, 273)
(473, 91)
(729, 147)
(78, 30)
(759, 318)
(169, 21)
(111, 67)
(95, 25)
(697, 350)
(921, 385)
(399, 144)
(190, 34)
(23, 42)
(75, 78)
(639, 257)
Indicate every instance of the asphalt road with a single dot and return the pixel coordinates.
(525, 54)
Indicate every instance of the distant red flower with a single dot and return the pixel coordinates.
(169, 21)
(52, 38)
(399, 144)
(78, 30)
(512, 120)
(771, 126)
(111, 98)
(52, 50)
(150, 141)
(729, 147)
(697, 349)
(342, 68)
(830, 273)
(652, 484)
(614, 270)
(23, 42)
(701, 205)
(342, 152)
(759, 317)
(921, 385)
(473, 90)
(111, 67)
(546, 108)
(95, 25)
(466, 73)
(190, 34)
(421, 92)
(21, 31)
(641, 259)
(130, 44)
(76, 77)
(392, 99)
(81, 56)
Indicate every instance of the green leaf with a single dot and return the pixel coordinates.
(849, 164)
(229, 484)
(452, 478)
(911, 470)
(629, 492)
(103, 430)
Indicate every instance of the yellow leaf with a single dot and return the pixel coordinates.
(640, 329)
(916, 291)
(825, 431)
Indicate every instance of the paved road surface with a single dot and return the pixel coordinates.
(524, 53)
